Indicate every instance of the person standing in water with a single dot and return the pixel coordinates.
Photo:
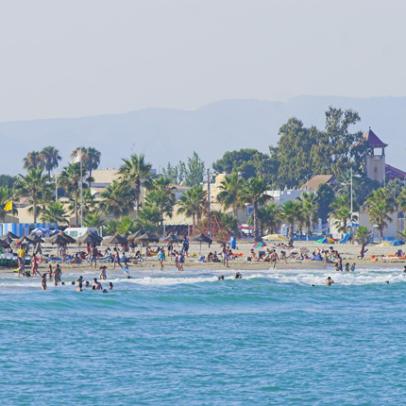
(57, 274)
(44, 281)
(34, 265)
(21, 260)
(103, 273)
(161, 258)
(329, 281)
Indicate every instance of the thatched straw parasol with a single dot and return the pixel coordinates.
(116, 239)
(90, 238)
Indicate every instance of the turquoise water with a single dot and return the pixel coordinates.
(165, 338)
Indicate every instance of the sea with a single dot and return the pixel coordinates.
(277, 337)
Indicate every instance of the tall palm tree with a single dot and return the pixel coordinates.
(341, 212)
(309, 209)
(193, 203)
(363, 237)
(290, 212)
(69, 180)
(117, 199)
(34, 185)
(270, 217)
(33, 160)
(136, 172)
(379, 207)
(231, 192)
(254, 193)
(50, 158)
(162, 196)
(54, 213)
(93, 219)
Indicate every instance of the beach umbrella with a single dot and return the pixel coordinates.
(116, 239)
(133, 237)
(61, 239)
(147, 238)
(90, 238)
(202, 238)
(171, 238)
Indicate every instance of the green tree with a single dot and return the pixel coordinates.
(161, 196)
(33, 160)
(270, 217)
(309, 208)
(194, 170)
(193, 203)
(94, 219)
(117, 199)
(294, 153)
(50, 158)
(379, 207)
(254, 194)
(363, 237)
(136, 172)
(70, 180)
(54, 212)
(401, 200)
(290, 212)
(248, 163)
(325, 198)
(341, 212)
(35, 186)
(231, 189)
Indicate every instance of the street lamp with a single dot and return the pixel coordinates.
(78, 158)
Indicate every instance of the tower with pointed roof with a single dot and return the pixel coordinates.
(375, 165)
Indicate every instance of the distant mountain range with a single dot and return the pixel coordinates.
(170, 135)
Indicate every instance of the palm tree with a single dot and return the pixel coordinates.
(231, 192)
(309, 209)
(33, 160)
(254, 193)
(93, 219)
(341, 212)
(162, 196)
(290, 213)
(193, 203)
(363, 237)
(270, 217)
(117, 199)
(69, 180)
(50, 158)
(137, 173)
(401, 201)
(54, 213)
(379, 207)
(34, 185)
(6, 195)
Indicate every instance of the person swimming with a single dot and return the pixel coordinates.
(97, 285)
(329, 281)
(221, 278)
(238, 275)
(111, 285)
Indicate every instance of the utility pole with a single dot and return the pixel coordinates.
(208, 204)
(81, 191)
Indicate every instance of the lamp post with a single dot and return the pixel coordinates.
(78, 158)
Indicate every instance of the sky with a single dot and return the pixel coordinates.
(64, 58)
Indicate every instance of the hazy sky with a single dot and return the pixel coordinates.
(79, 57)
